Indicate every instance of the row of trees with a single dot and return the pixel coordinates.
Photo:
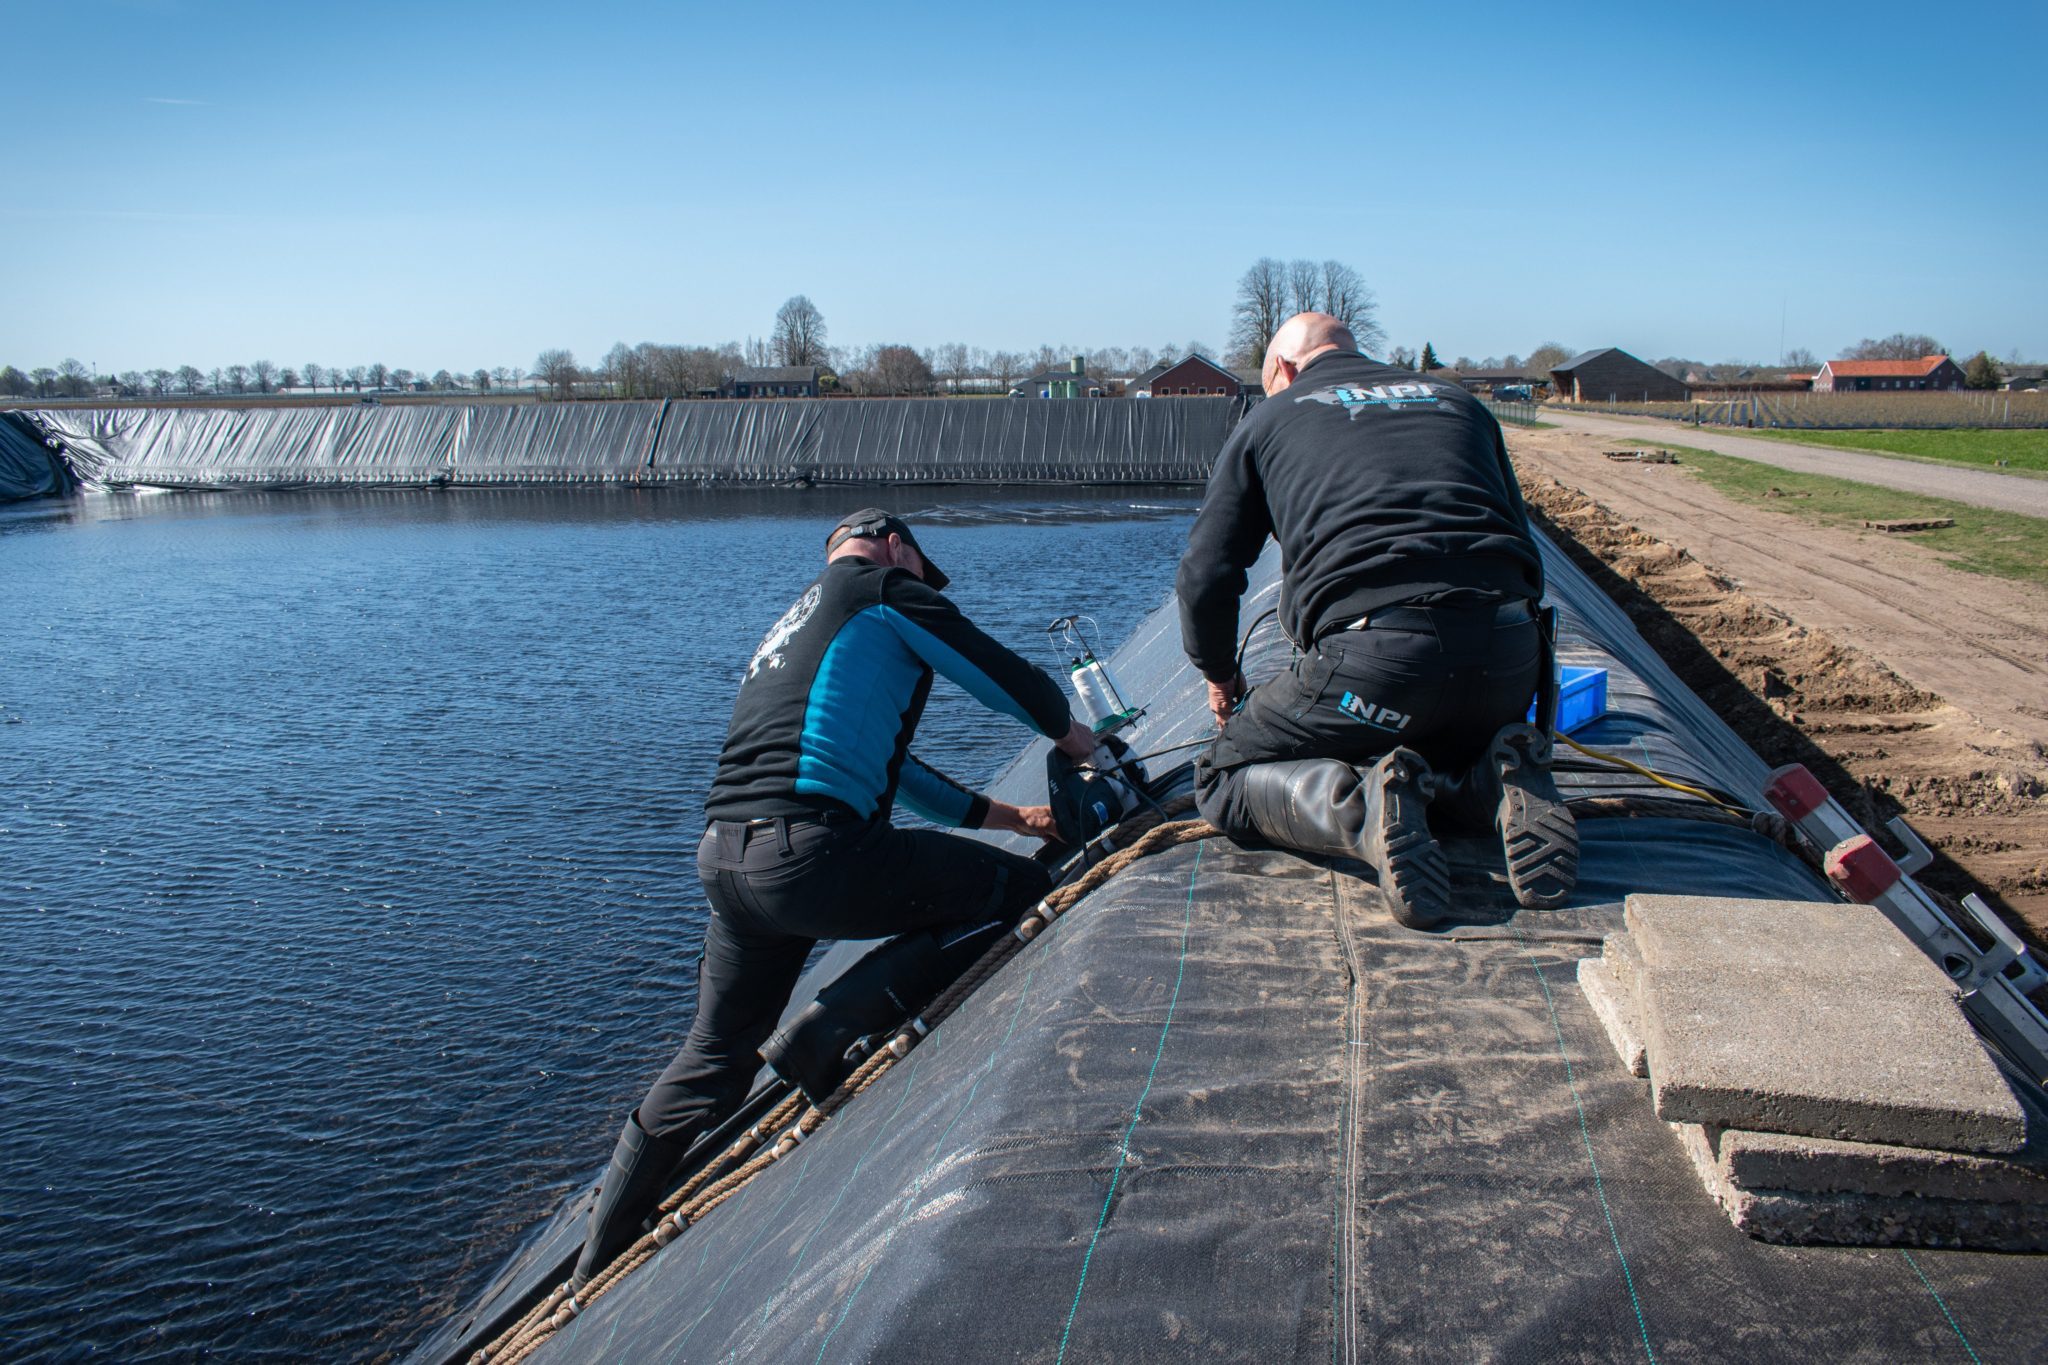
(1268, 293)
(655, 370)
(73, 380)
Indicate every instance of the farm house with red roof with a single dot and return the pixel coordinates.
(1869, 376)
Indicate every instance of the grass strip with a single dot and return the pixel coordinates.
(2024, 449)
(2000, 544)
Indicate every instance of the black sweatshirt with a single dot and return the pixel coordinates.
(1381, 485)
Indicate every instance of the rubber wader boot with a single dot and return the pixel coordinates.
(1510, 790)
(1378, 815)
(641, 1166)
(878, 992)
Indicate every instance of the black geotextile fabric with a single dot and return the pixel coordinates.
(877, 440)
(1228, 1109)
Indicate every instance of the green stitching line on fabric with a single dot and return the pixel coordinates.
(1953, 1326)
(1586, 1135)
(1138, 1109)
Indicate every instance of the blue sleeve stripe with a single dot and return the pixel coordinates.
(932, 796)
(955, 665)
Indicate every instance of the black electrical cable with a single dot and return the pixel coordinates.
(1246, 642)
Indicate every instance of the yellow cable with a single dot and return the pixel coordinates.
(1661, 780)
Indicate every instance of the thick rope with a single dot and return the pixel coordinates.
(1141, 836)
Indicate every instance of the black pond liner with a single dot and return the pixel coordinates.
(1227, 1109)
(873, 440)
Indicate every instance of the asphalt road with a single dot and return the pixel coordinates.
(1981, 488)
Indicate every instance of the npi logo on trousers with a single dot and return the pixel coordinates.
(1372, 713)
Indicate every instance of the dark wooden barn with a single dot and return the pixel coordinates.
(1612, 375)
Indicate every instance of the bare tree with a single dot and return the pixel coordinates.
(357, 375)
(1799, 358)
(1262, 305)
(189, 380)
(1547, 357)
(1304, 288)
(45, 380)
(314, 374)
(402, 379)
(621, 370)
(1897, 346)
(951, 366)
(265, 374)
(238, 378)
(287, 379)
(799, 337)
(482, 380)
(900, 369)
(74, 380)
(131, 383)
(15, 384)
(159, 382)
(557, 369)
(1345, 296)
(378, 375)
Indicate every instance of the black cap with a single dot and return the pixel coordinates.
(871, 523)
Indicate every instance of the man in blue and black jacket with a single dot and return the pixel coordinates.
(798, 846)
(1409, 584)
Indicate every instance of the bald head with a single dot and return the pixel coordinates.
(1301, 339)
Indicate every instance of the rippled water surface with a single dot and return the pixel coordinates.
(346, 867)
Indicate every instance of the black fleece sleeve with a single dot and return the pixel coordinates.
(1228, 534)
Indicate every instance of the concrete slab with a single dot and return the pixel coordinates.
(1615, 1008)
(1807, 1165)
(1624, 962)
(1782, 1052)
(1846, 943)
(1796, 1219)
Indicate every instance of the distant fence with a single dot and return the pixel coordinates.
(1522, 414)
(1824, 411)
(1160, 440)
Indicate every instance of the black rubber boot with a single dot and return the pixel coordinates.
(641, 1166)
(1510, 790)
(1378, 815)
(878, 992)
(1538, 833)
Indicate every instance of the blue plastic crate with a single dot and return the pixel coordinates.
(1581, 698)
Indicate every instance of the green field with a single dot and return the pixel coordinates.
(2025, 450)
(2002, 544)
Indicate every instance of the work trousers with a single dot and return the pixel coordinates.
(776, 888)
(1440, 680)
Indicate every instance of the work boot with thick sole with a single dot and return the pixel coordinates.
(1538, 834)
(1378, 815)
(816, 1050)
(633, 1185)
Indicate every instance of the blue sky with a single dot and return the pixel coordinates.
(456, 185)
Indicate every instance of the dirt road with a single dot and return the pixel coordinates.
(1925, 688)
(1980, 488)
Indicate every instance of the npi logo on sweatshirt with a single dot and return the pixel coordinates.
(1353, 400)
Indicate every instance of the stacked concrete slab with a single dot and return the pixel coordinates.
(1818, 1071)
